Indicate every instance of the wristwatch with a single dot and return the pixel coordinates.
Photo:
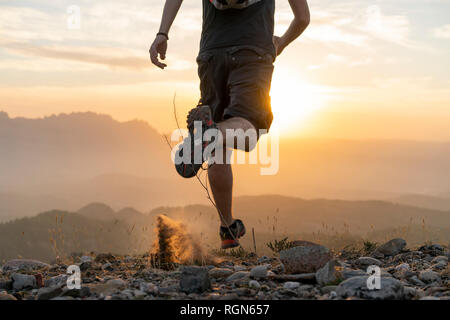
(163, 34)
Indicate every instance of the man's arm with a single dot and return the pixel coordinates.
(299, 24)
(159, 45)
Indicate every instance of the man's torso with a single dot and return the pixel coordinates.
(228, 23)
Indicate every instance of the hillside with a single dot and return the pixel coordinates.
(59, 234)
(97, 227)
(68, 160)
(424, 201)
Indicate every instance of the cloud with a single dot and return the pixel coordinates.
(388, 28)
(105, 56)
(442, 32)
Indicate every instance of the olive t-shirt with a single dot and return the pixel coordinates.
(228, 23)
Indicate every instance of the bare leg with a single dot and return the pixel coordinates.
(221, 180)
(221, 175)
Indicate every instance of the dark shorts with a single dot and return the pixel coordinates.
(235, 82)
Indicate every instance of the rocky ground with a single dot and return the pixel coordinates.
(305, 271)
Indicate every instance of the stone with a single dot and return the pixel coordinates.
(56, 281)
(433, 249)
(304, 277)
(149, 288)
(306, 259)
(357, 287)
(6, 285)
(85, 259)
(412, 293)
(242, 292)
(264, 259)
(75, 293)
(108, 267)
(194, 279)
(279, 268)
(350, 273)
(403, 271)
(238, 276)
(24, 264)
(392, 247)
(238, 268)
(365, 262)
(291, 285)
(23, 281)
(328, 289)
(259, 272)
(429, 276)
(440, 265)
(84, 266)
(403, 267)
(219, 273)
(329, 274)
(110, 287)
(303, 243)
(439, 259)
(253, 284)
(49, 293)
(415, 281)
(306, 287)
(139, 295)
(5, 296)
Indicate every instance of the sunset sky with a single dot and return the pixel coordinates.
(363, 69)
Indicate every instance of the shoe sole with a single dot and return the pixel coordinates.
(232, 243)
(189, 171)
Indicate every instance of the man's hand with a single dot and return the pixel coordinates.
(278, 43)
(159, 47)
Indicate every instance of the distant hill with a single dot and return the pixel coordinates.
(97, 227)
(59, 233)
(65, 161)
(295, 215)
(424, 201)
(97, 211)
(77, 146)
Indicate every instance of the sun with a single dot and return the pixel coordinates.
(293, 101)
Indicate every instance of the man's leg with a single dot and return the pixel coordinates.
(221, 181)
(221, 175)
